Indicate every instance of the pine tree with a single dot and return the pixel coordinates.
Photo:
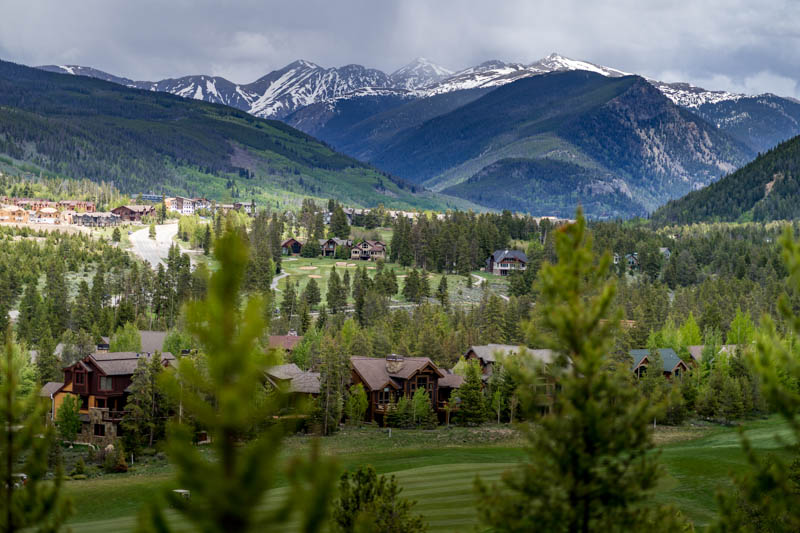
(334, 373)
(206, 242)
(471, 403)
(411, 287)
(335, 297)
(289, 302)
(147, 408)
(371, 503)
(589, 466)
(230, 479)
(126, 339)
(311, 293)
(357, 403)
(25, 445)
(151, 232)
(339, 227)
(68, 419)
(767, 496)
(48, 364)
(55, 296)
(30, 315)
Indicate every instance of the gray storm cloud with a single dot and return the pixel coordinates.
(745, 46)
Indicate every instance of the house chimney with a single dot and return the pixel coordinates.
(394, 363)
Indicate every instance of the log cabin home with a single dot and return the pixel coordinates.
(696, 351)
(672, 364)
(291, 246)
(385, 380)
(329, 245)
(490, 355)
(100, 383)
(369, 251)
(133, 213)
(301, 386)
(505, 262)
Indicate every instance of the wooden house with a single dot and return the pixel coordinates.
(289, 378)
(386, 380)
(696, 351)
(291, 246)
(329, 245)
(13, 213)
(504, 262)
(82, 206)
(369, 251)
(672, 364)
(489, 355)
(100, 382)
(46, 215)
(133, 213)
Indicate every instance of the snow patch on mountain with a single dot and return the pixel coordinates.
(418, 74)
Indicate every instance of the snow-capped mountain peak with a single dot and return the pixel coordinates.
(556, 62)
(418, 74)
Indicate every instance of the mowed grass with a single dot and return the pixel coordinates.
(440, 477)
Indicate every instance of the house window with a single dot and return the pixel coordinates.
(106, 383)
(385, 396)
(99, 430)
(84, 402)
(100, 402)
(79, 378)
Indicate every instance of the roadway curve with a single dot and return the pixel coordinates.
(153, 251)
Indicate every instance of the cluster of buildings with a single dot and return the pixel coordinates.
(77, 212)
(101, 381)
(190, 206)
(365, 250)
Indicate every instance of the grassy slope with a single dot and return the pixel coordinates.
(437, 470)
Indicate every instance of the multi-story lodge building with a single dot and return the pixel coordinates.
(100, 384)
(133, 213)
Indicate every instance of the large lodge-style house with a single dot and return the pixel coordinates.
(100, 384)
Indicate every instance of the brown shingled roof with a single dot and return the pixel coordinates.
(287, 342)
(123, 363)
(50, 388)
(376, 375)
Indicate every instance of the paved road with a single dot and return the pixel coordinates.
(153, 251)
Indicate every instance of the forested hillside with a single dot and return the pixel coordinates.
(80, 127)
(766, 189)
(548, 187)
(623, 132)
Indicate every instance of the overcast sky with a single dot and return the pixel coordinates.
(748, 46)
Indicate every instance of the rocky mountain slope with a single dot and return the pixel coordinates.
(768, 188)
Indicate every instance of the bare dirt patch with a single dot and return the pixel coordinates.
(341, 264)
(315, 276)
(307, 268)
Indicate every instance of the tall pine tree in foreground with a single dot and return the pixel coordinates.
(221, 390)
(25, 444)
(767, 496)
(589, 463)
